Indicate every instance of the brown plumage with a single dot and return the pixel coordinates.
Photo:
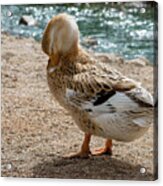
(100, 99)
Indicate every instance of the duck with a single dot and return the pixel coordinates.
(101, 100)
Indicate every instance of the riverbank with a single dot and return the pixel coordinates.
(37, 132)
(126, 28)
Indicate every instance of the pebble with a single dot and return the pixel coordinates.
(28, 20)
(89, 41)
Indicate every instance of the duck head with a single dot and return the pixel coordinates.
(60, 38)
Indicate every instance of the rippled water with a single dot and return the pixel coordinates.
(126, 29)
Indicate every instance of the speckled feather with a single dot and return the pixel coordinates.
(101, 100)
(123, 105)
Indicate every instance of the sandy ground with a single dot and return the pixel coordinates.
(37, 132)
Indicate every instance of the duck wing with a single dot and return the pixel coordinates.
(97, 86)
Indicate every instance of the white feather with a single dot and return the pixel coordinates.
(120, 100)
(51, 70)
(112, 116)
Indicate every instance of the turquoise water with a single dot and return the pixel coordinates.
(127, 29)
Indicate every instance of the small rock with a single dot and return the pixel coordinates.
(14, 79)
(28, 20)
(89, 41)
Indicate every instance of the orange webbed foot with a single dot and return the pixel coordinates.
(102, 151)
(107, 150)
(84, 152)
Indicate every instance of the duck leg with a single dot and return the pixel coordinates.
(106, 150)
(85, 149)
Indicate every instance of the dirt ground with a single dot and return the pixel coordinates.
(37, 132)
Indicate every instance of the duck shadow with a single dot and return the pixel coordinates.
(103, 167)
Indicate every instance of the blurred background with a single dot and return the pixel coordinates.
(127, 29)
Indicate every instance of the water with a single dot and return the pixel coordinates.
(127, 29)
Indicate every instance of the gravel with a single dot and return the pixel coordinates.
(37, 132)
